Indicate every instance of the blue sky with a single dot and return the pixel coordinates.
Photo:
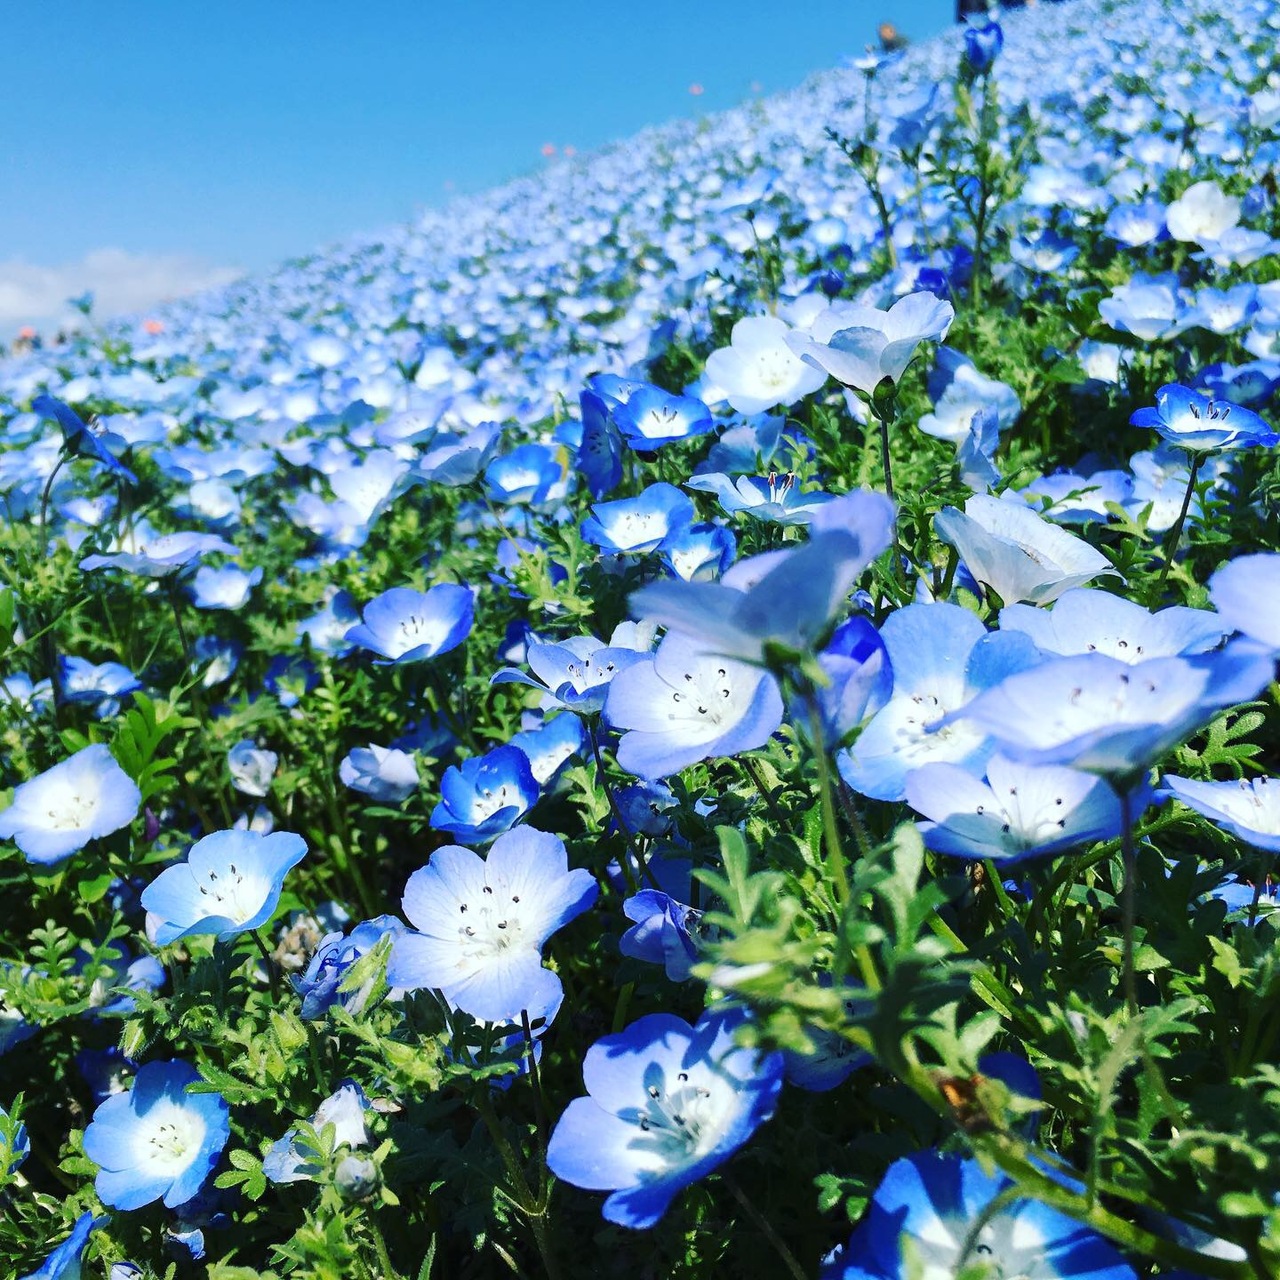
(173, 142)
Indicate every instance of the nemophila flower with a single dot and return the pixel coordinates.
(35, 697)
(527, 474)
(1018, 554)
(327, 629)
(550, 746)
(1236, 247)
(983, 40)
(80, 799)
(689, 703)
(1020, 811)
(941, 657)
(404, 625)
(600, 447)
(1044, 251)
(1246, 593)
(1087, 620)
(1252, 383)
(759, 370)
(118, 972)
(668, 1104)
(1222, 310)
(215, 660)
(1160, 479)
(293, 1159)
(229, 884)
(289, 677)
(1249, 808)
(640, 524)
(1259, 900)
(665, 932)
(251, 767)
(700, 553)
(1198, 424)
(976, 452)
(225, 588)
(775, 498)
(833, 1057)
(1109, 717)
(382, 773)
(576, 672)
(650, 418)
(485, 795)
(1149, 307)
(64, 1262)
(511, 553)
(160, 555)
(958, 391)
(1203, 212)
(100, 686)
(938, 1215)
(479, 924)
(158, 1141)
(1068, 498)
(860, 679)
(84, 440)
(1133, 225)
(457, 459)
(860, 346)
(782, 600)
(332, 961)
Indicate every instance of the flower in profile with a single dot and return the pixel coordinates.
(1199, 424)
(230, 883)
(1249, 808)
(939, 1215)
(64, 1262)
(382, 773)
(160, 555)
(575, 673)
(225, 588)
(83, 440)
(1246, 593)
(404, 625)
(668, 1103)
(86, 796)
(479, 924)
(251, 767)
(321, 985)
(158, 1141)
(485, 795)
(860, 345)
(776, 498)
(983, 40)
(98, 685)
(664, 931)
(1018, 554)
(294, 1158)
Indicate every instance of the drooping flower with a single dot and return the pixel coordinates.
(479, 924)
(664, 932)
(98, 685)
(404, 625)
(158, 1141)
(668, 1103)
(230, 883)
(934, 1215)
(83, 798)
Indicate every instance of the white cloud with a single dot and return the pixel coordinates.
(121, 282)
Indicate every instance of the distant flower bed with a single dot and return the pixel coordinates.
(710, 712)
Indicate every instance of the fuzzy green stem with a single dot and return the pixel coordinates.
(1175, 534)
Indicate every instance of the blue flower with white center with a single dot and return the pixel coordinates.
(651, 418)
(382, 773)
(157, 556)
(668, 1104)
(1249, 808)
(1149, 307)
(551, 746)
(576, 673)
(1078, 499)
(321, 985)
(404, 625)
(1020, 811)
(64, 1262)
(775, 498)
(1222, 310)
(1247, 384)
(701, 553)
(293, 1159)
(327, 629)
(485, 795)
(941, 657)
(289, 677)
(1198, 424)
(83, 798)
(640, 524)
(1246, 593)
(527, 474)
(99, 686)
(958, 391)
(933, 1215)
(479, 924)
(158, 1141)
(229, 884)
(689, 703)
(1133, 225)
(225, 588)
(664, 932)
(1087, 620)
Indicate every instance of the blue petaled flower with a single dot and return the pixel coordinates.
(225, 588)
(404, 625)
(480, 924)
(382, 773)
(527, 474)
(701, 553)
(100, 686)
(668, 1103)
(485, 795)
(84, 797)
(293, 1159)
(776, 498)
(576, 672)
(158, 1141)
(983, 40)
(160, 555)
(1198, 424)
(651, 417)
(64, 1262)
(82, 439)
(640, 524)
(937, 1215)
(1246, 593)
(664, 932)
(1248, 808)
(600, 449)
(230, 883)
(320, 986)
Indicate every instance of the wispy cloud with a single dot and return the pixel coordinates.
(31, 294)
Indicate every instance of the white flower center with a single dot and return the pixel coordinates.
(682, 1119)
(489, 927)
(232, 893)
(168, 1138)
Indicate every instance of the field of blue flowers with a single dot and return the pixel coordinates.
(709, 712)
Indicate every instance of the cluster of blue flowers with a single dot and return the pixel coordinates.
(516, 588)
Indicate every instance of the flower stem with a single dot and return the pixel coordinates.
(765, 1227)
(1175, 534)
(831, 833)
(1127, 901)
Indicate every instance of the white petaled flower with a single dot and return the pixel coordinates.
(84, 797)
(1202, 212)
(1249, 808)
(252, 768)
(758, 369)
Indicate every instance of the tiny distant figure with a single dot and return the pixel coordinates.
(696, 89)
(891, 39)
(967, 8)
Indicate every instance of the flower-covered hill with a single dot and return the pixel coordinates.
(736, 672)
